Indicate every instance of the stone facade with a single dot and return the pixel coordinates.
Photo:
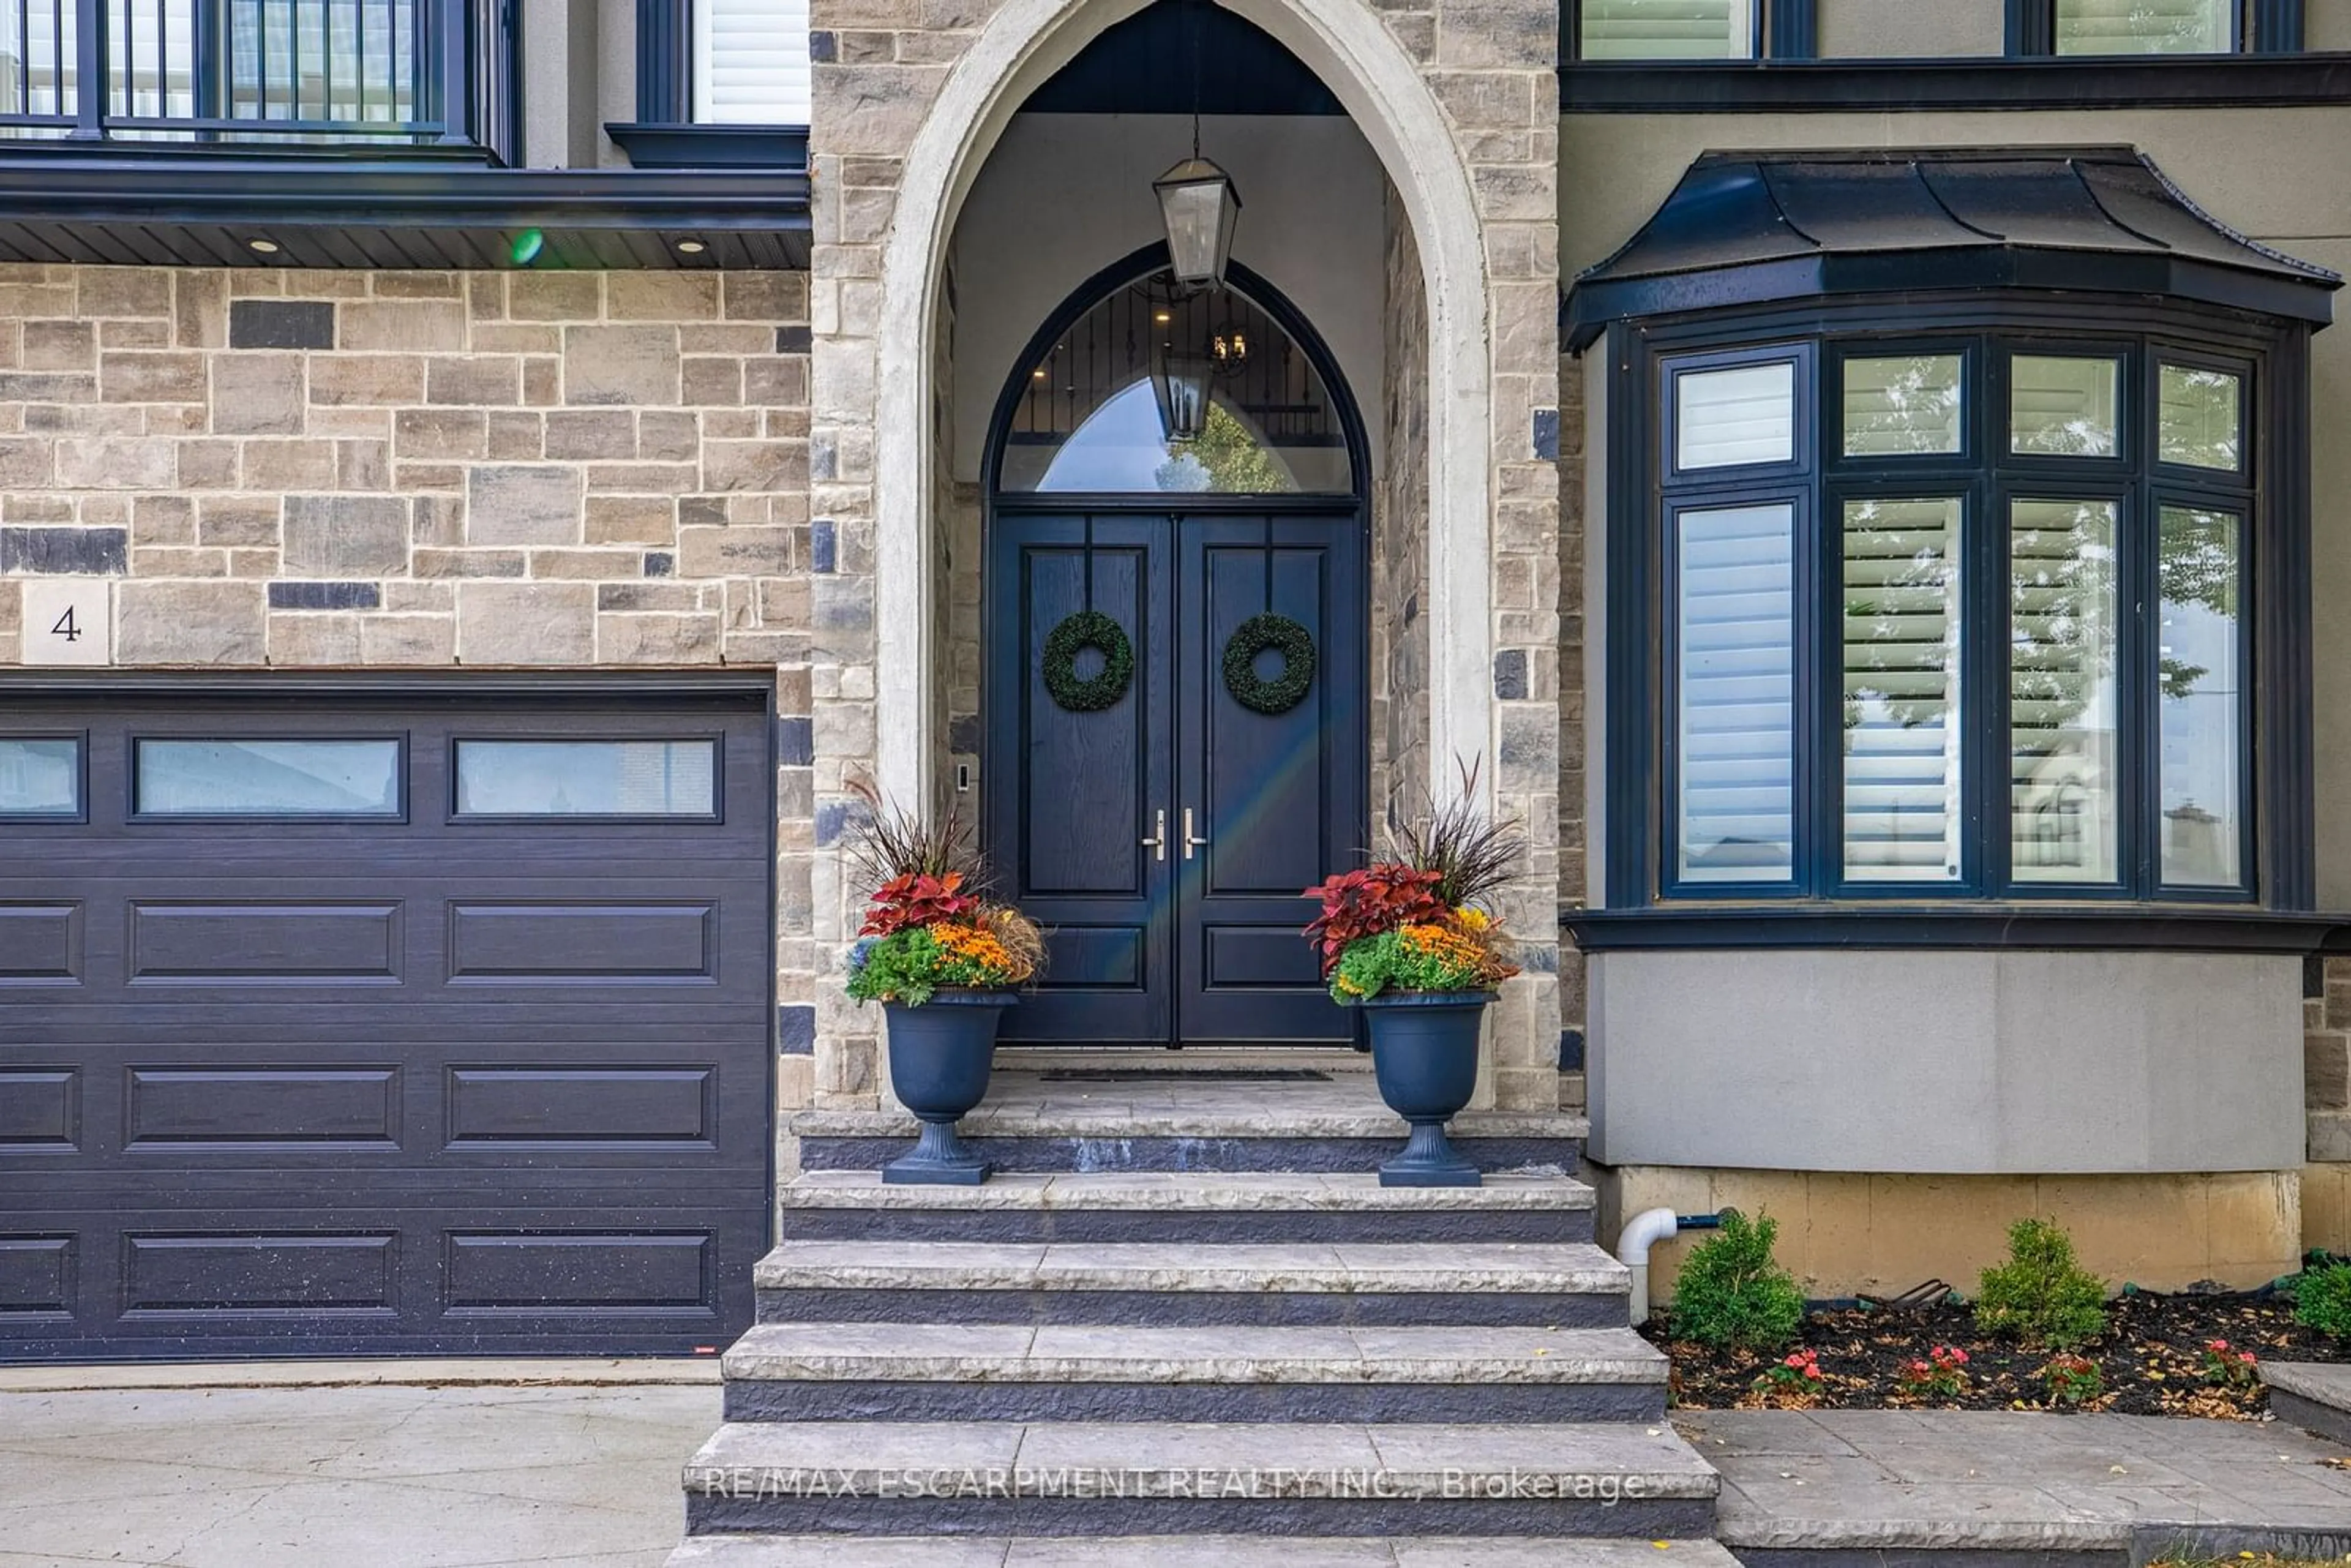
(882, 67)
(424, 470)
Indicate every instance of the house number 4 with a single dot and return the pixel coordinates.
(66, 620)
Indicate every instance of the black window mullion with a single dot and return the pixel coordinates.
(1789, 30)
(2274, 25)
(2032, 27)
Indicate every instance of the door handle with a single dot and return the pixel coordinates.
(1191, 841)
(1157, 842)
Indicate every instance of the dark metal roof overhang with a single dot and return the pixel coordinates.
(1753, 228)
(205, 207)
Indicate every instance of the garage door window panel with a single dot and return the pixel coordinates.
(41, 778)
(265, 780)
(619, 779)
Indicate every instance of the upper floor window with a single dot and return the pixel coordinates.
(1688, 31)
(1956, 613)
(1669, 30)
(2122, 27)
(750, 62)
(2146, 27)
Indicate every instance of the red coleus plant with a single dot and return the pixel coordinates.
(1379, 898)
(917, 900)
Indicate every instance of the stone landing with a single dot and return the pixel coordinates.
(1081, 1119)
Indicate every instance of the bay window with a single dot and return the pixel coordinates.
(1963, 613)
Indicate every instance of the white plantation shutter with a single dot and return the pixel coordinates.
(1901, 717)
(1668, 30)
(1736, 651)
(2145, 26)
(2062, 612)
(751, 62)
(1744, 415)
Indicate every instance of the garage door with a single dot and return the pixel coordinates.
(374, 1023)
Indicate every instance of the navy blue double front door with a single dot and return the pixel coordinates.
(1163, 841)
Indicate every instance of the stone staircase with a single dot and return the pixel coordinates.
(1254, 1364)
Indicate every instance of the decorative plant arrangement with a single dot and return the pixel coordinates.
(943, 961)
(2041, 1334)
(1409, 941)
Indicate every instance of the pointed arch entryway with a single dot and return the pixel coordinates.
(1159, 808)
(1350, 49)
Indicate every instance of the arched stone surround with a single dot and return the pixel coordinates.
(1456, 101)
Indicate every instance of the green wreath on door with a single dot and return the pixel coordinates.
(1075, 634)
(1255, 635)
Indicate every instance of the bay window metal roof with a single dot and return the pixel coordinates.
(1747, 228)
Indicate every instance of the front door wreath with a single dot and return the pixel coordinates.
(1075, 634)
(1254, 636)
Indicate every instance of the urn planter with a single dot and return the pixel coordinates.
(1425, 1054)
(940, 1057)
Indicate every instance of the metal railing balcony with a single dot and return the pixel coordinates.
(398, 76)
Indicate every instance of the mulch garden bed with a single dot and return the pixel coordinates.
(2151, 1359)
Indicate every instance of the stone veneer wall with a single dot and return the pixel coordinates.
(429, 469)
(1492, 66)
(1399, 624)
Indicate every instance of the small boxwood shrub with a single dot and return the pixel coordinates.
(2041, 1295)
(1732, 1295)
(2321, 1298)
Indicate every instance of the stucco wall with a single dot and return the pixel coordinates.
(1887, 29)
(1997, 1062)
(2275, 174)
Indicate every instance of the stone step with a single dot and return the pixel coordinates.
(923, 1372)
(1207, 1207)
(1390, 1285)
(1190, 1552)
(1033, 1122)
(1117, 1479)
(2313, 1395)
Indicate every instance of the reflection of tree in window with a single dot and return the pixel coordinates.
(2198, 565)
(1225, 458)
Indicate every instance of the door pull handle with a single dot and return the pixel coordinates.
(1191, 841)
(1157, 842)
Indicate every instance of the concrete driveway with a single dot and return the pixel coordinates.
(373, 1466)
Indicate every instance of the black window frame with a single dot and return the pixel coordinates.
(1784, 30)
(2268, 493)
(455, 813)
(80, 813)
(404, 755)
(665, 135)
(2258, 27)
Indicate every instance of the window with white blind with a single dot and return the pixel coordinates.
(1963, 616)
(2146, 27)
(750, 62)
(1667, 30)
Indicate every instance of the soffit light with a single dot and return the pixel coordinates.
(262, 246)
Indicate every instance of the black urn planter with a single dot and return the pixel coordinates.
(940, 1056)
(1425, 1054)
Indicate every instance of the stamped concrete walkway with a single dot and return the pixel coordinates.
(1814, 1485)
(361, 1472)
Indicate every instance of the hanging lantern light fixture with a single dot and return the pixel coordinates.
(1198, 201)
(1201, 209)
